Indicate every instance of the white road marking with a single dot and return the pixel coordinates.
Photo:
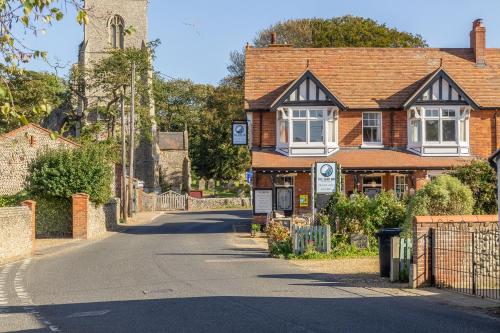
(89, 314)
(25, 298)
(4, 301)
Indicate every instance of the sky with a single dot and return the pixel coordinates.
(198, 35)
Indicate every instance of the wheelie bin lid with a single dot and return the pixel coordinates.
(388, 232)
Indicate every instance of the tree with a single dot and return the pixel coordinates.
(481, 178)
(345, 31)
(35, 94)
(179, 103)
(212, 152)
(106, 80)
(18, 17)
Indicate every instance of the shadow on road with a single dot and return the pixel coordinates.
(205, 222)
(263, 314)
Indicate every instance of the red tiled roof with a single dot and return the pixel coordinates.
(361, 159)
(368, 77)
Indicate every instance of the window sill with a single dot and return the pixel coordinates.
(372, 146)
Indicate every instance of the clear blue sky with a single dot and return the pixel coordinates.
(198, 35)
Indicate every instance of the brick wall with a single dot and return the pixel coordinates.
(91, 221)
(482, 133)
(302, 186)
(422, 245)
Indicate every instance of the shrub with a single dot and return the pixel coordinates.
(53, 217)
(481, 178)
(62, 173)
(362, 215)
(445, 195)
(279, 239)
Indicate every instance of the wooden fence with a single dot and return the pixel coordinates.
(171, 201)
(318, 236)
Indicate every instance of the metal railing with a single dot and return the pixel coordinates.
(466, 261)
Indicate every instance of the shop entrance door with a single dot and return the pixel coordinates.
(284, 200)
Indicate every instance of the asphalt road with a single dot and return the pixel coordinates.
(189, 273)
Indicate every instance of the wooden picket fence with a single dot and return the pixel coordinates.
(405, 255)
(320, 236)
(171, 201)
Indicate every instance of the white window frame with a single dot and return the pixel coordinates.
(418, 114)
(378, 144)
(404, 184)
(327, 146)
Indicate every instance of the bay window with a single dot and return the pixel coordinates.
(436, 130)
(307, 131)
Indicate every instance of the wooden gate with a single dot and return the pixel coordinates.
(317, 236)
(171, 201)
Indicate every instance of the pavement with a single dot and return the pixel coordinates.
(195, 272)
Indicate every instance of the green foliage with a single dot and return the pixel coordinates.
(445, 195)
(212, 152)
(279, 239)
(255, 227)
(34, 94)
(362, 215)
(345, 31)
(62, 173)
(53, 217)
(481, 178)
(17, 19)
(13, 200)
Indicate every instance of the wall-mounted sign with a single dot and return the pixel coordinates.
(326, 177)
(240, 133)
(263, 201)
(304, 200)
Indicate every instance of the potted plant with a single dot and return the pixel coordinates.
(255, 229)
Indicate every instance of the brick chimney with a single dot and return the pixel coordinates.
(478, 42)
(273, 38)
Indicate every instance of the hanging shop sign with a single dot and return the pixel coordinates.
(263, 201)
(326, 177)
(240, 133)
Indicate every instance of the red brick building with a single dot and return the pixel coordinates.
(391, 117)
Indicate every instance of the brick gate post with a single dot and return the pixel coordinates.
(80, 210)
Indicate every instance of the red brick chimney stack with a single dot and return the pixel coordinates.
(478, 42)
(273, 38)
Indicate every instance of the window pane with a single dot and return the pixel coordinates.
(299, 131)
(415, 131)
(316, 131)
(331, 131)
(284, 132)
(371, 135)
(432, 113)
(449, 132)
(432, 130)
(463, 131)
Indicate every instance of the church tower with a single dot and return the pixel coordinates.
(108, 20)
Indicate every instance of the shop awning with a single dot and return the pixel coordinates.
(358, 160)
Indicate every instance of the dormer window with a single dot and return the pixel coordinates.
(438, 117)
(307, 118)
